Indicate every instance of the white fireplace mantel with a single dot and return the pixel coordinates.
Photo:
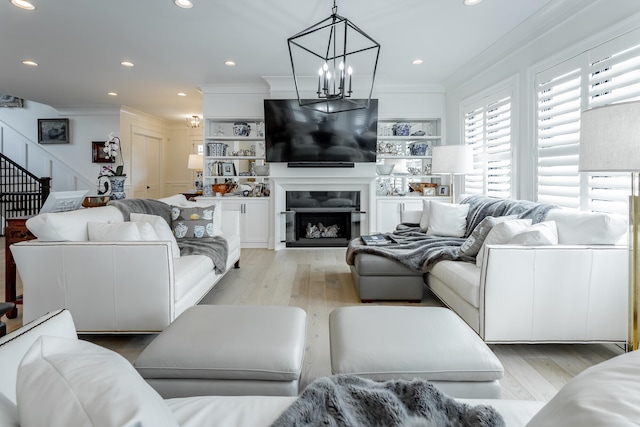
(359, 178)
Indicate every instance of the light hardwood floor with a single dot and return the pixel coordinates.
(318, 280)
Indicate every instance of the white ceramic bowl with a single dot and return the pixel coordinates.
(384, 169)
(261, 170)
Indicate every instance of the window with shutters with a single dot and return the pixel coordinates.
(487, 128)
(607, 74)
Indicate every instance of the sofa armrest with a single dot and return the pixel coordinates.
(554, 293)
(107, 286)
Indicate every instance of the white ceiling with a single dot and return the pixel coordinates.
(79, 45)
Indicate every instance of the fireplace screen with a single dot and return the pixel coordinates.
(321, 218)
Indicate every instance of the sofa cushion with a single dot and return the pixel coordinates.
(501, 233)
(181, 200)
(70, 226)
(462, 277)
(447, 219)
(474, 242)
(161, 228)
(121, 231)
(192, 222)
(188, 270)
(542, 233)
(606, 394)
(8, 412)
(67, 382)
(587, 228)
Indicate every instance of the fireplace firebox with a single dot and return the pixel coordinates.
(322, 218)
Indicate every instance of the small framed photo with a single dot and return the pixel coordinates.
(53, 131)
(443, 190)
(98, 155)
(9, 101)
(228, 169)
(429, 191)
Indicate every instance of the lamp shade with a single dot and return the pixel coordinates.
(452, 159)
(195, 162)
(610, 138)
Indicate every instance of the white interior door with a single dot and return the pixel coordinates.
(146, 166)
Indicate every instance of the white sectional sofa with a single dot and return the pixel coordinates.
(50, 378)
(114, 286)
(572, 291)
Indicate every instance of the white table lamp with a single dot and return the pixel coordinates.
(610, 142)
(452, 160)
(196, 162)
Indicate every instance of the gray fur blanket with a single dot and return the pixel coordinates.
(216, 248)
(420, 252)
(350, 401)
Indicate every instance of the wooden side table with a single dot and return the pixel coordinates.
(15, 231)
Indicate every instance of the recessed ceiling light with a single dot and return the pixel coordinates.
(230, 63)
(112, 94)
(23, 4)
(185, 4)
(417, 61)
(471, 2)
(126, 63)
(182, 94)
(30, 62)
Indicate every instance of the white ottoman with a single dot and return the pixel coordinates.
(431, 343)
(227, 350)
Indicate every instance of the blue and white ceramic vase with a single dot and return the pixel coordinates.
(117, 187)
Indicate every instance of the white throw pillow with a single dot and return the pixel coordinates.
(542, 233)
(121, 232)
(604, 395)
(424, 218)
(447, 219)
(501, 233)
(587, 228)
(65, 382)
(70, 226)
(161, 228)
(474, 242)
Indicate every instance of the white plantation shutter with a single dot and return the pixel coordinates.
(488, 132)
(607, 74)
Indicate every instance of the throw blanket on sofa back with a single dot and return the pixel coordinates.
(420, 251)
(215, 247)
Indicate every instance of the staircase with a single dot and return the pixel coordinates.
(21, 192)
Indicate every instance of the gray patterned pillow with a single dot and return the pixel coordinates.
(190, 222)
(472, 245)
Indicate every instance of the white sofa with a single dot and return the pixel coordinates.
(114, 286)
(111, 393)
(574, 291)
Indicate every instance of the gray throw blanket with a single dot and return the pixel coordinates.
(350, 401)
(420, 251)
(216, 248)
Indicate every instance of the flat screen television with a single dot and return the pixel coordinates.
(305, 137)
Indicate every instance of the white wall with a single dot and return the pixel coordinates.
(573, 28)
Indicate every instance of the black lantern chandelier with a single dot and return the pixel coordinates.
(334, 49)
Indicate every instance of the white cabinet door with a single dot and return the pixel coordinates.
(254, 220)
(388, 212)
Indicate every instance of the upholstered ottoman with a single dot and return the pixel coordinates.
(227, 350)
(379, 278)
(432, 343)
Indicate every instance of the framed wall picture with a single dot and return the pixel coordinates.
(98, 155)
(228, 169)
(9, 101)
(429, 191)
(53, 131)
(443, 190)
